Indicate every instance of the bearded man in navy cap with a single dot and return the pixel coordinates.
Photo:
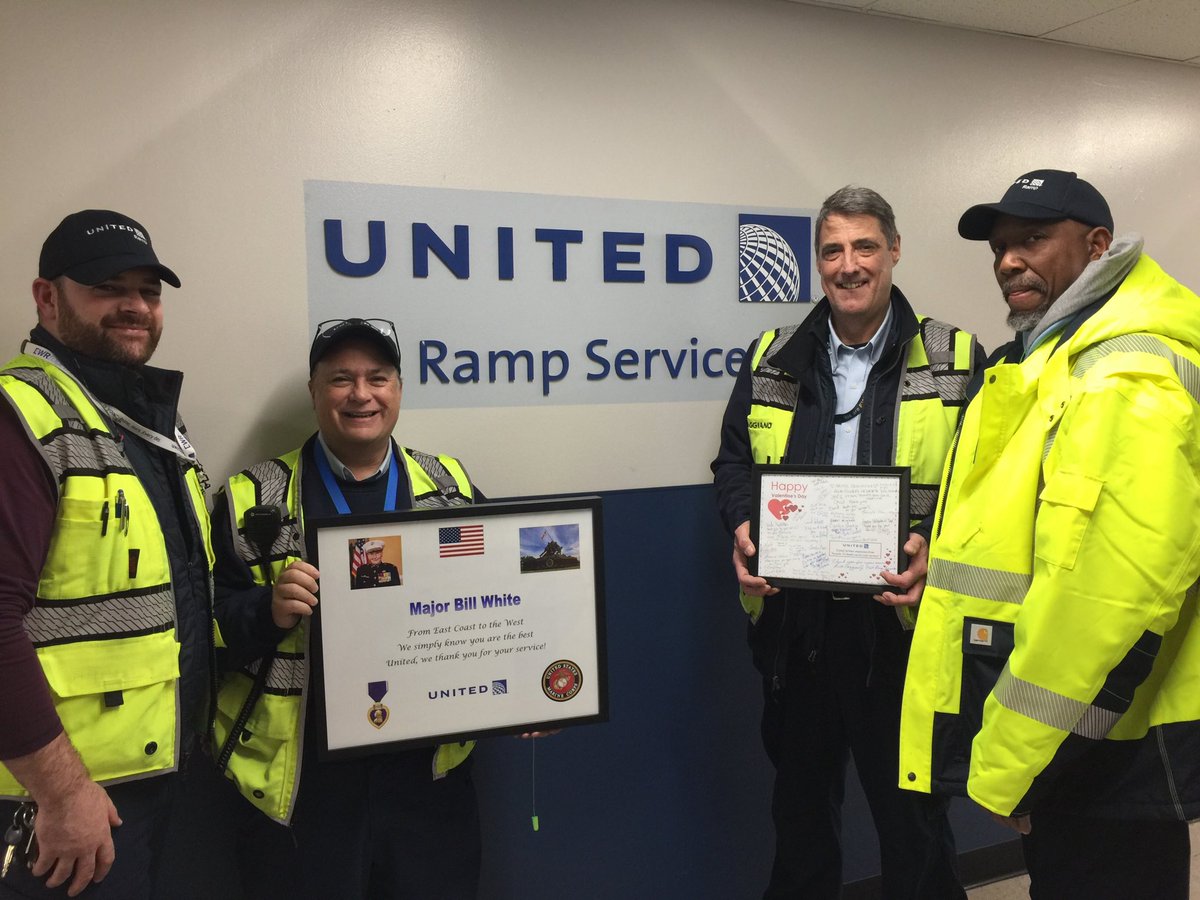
(1053, 676)
(105, 606)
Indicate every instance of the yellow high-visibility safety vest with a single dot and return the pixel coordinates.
(266, 760)
(103, 621)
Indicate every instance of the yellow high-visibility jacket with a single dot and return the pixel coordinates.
(1057, 653)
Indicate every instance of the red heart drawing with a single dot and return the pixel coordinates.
(781, 509)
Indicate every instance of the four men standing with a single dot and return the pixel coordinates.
(1051, 678)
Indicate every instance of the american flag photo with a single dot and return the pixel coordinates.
(460, 540)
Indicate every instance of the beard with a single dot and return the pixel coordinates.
(1026, 319)
(98, 342)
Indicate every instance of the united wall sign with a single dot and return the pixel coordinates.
(519, 299)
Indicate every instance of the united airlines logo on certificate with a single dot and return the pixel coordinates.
(460, 540)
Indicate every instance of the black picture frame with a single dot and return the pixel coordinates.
(826, 542)
(577, 586)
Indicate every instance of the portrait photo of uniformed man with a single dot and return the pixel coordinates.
(374, 572)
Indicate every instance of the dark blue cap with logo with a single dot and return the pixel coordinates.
(93, 245)
(1042, 194)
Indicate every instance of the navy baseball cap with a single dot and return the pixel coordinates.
(1041, 194)
(93, 245)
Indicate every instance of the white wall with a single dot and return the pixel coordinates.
(203, 119)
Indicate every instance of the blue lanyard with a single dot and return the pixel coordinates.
(335, 492)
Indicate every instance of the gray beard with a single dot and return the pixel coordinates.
(1024, 321)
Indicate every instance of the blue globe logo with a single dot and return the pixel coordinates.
(768, 271)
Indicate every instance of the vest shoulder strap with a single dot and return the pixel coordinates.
(448, 492)
(65, 443)
(769, 386)
(938, 339)
(940, 363)
(778, 338)
(39, 378)
(265, 484)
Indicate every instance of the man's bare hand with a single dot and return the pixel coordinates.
(75, 817)
(294, 594)
(75, 838)
(743, 549)
(1019, 824)
(909, 585)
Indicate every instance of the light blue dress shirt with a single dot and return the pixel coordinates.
(343, 471)
(851, 368)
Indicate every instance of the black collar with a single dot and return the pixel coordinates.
(148, 394)
(812, 337)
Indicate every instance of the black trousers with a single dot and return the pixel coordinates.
(144, 807)
(377, 827)
(1075, 857)
(847, 701)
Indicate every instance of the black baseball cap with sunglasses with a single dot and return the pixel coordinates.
(379, 332)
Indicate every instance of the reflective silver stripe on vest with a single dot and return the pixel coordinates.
(286, 675)
(924, 383)
(447, 493)
(1048, 446)
(1188, 372)
(938, 377)
(1049, 708)
(921, 501)
(77, 450)
(72, 452)
(976, 581)
(131, 613)
(770, 386)
(272, 477)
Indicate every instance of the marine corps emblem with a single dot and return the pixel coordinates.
(562, 680)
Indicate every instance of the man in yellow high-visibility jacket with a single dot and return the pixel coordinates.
(1053, 677)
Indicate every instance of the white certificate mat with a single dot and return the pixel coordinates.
(830, 527)
(445, 625)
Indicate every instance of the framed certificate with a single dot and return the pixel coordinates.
(829, 527)
(445, 625)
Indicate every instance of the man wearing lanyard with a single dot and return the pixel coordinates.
(863, 380)
(401, 824)
(105, 628)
